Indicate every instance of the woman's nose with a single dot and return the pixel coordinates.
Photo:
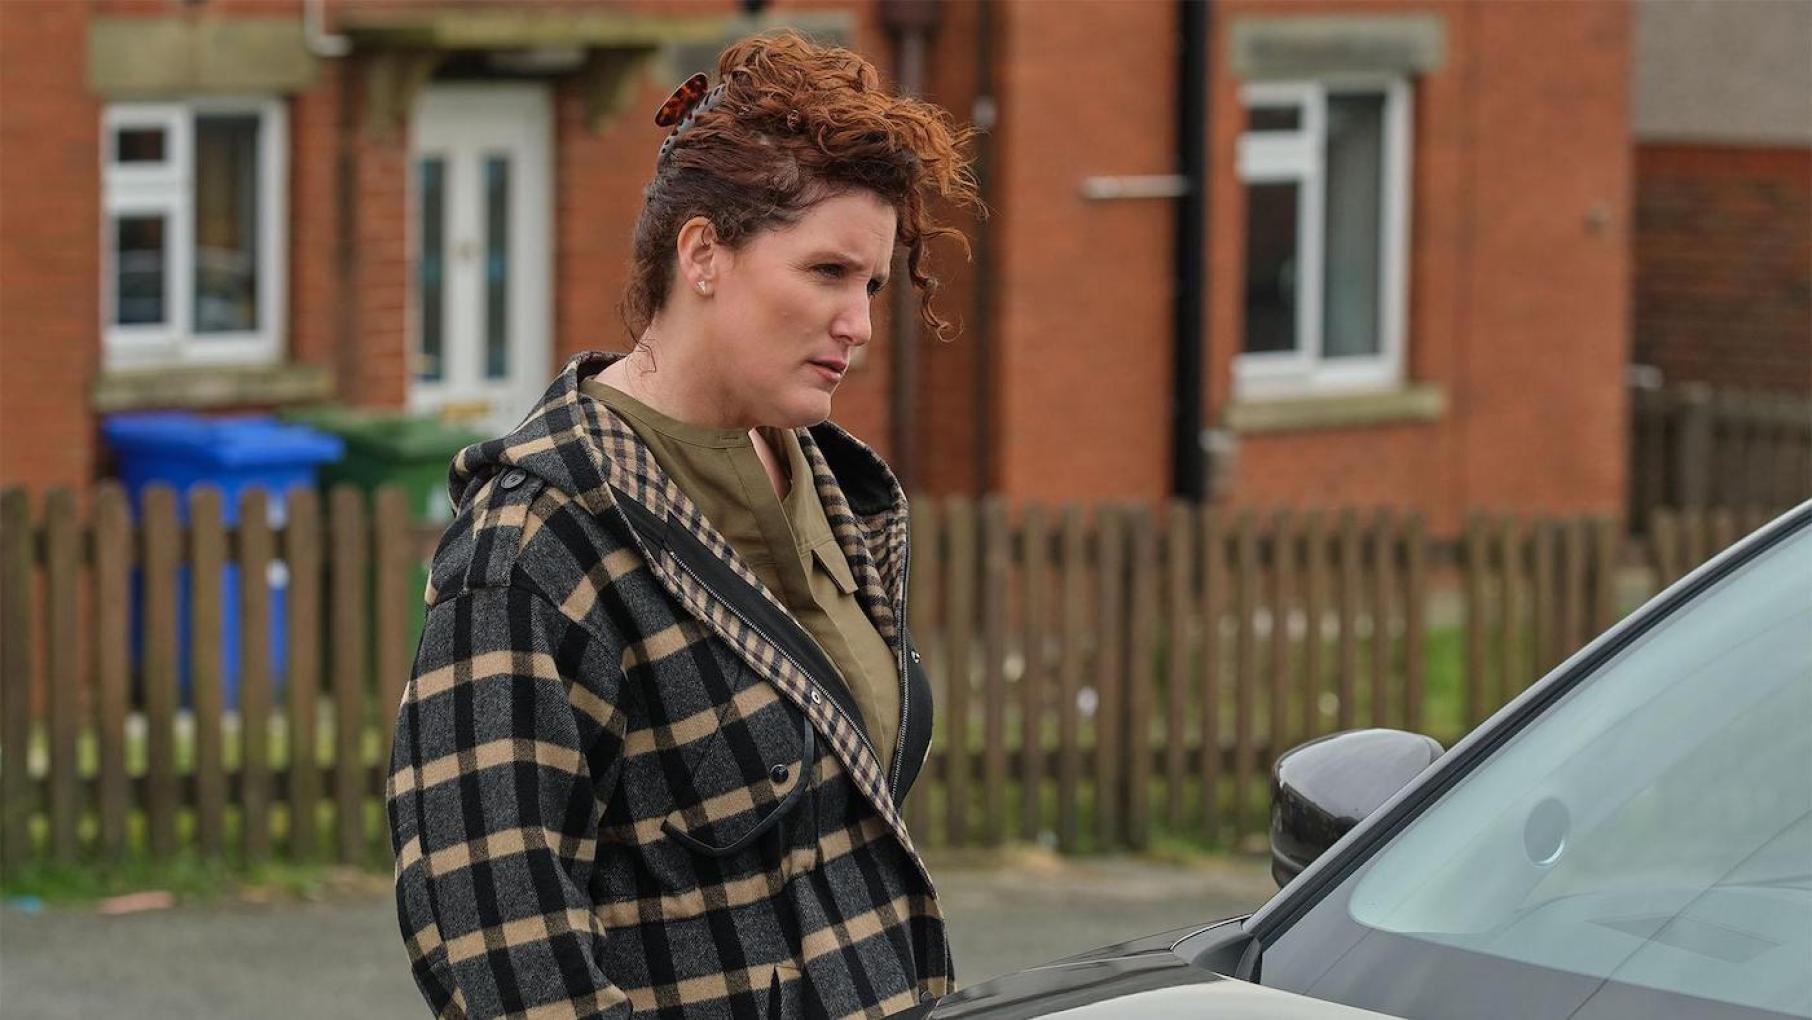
(854, 328)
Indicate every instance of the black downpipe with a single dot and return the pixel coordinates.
(910, 23)
(983, 168)
(1189, 465)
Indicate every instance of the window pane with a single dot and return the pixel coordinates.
(1274, 118)
(1271, 260)
(430, 266)
(226, 223)
(138, 145)
(497, 267)
(1354, 238)
(139, 266)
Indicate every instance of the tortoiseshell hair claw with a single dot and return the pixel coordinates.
(687, 103)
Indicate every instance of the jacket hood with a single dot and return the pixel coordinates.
(542, 445)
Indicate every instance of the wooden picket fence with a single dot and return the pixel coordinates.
(1693, 447)
(1102, 674)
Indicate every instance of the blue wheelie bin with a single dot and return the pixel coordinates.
(233, 454)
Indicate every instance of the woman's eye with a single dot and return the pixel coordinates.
(831, 270)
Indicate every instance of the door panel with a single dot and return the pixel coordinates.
(480, 304)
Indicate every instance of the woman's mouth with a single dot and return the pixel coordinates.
(831, 369)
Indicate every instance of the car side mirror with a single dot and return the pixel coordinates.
(1321, 789)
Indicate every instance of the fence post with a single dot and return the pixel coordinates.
(254, 556)
(1213, 553)
(1314, 552)
(17, 580)
(1179, 562)
(1141, 676)
(1383, 543)
(1607, 551)
(1069, 679)
(997, 562)
(1414, 637)
(1110, 646)
(302, 551)
(349, 657)
(1513, 674)
(1664, 547)
(1693, 446)
(1347, 595)
(1476, 561)
(162, 546)
(961, 623)
(207, 559)
(1648, 459)
(1245, 676)
(1036, 590)
(112, 592)
(1283, 557)
(63, 678)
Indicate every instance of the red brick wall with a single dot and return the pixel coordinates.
(1083, 336)
(50, 269)
(1518, 290)
(1724, 265)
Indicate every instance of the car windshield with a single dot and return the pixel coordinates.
(1643, 848)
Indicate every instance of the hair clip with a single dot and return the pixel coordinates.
(687, 103)
(682, 101)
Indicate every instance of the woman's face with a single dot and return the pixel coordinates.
(789, 307)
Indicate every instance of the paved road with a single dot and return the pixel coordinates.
(343, 957)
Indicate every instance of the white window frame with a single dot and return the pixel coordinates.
(1300, 156)
(167, 188)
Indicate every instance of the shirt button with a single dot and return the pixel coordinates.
(778, 774)
(512, 478)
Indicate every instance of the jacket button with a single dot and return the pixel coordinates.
(778, 774)
(816, 697)
(512, 478)
(915, 655)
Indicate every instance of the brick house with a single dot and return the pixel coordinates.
(1723, 127)
(1329, 252)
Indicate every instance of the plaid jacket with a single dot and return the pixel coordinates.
(625, 780)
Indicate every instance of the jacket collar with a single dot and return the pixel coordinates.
(578, 445)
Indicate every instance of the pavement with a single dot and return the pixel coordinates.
(342, 956)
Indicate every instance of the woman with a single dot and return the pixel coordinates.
(665, 707)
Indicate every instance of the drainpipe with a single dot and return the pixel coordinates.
(314, 32)
(985, 115)
(345, 194)
(910, 23)
(1189, 441)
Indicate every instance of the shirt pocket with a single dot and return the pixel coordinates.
(833, 564)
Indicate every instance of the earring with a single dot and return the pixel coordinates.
(703, 287)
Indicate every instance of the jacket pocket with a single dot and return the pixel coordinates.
(747, 804)
(727, 825)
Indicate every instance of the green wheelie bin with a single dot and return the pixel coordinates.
(389, 448)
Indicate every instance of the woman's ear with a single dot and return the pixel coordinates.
(698, 251)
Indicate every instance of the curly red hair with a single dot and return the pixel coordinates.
(799, 123)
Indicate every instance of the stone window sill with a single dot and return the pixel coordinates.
(214, 386)
(1424, 402)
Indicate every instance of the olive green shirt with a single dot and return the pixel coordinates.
(787, 543)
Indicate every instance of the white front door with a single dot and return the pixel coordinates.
(480, 199)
